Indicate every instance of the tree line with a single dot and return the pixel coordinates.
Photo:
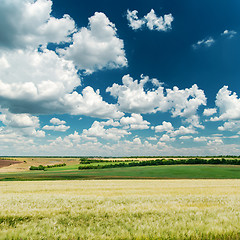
(41, 167)
(165, 162)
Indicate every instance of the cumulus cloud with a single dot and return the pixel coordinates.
(111, 122)
(97, 130)
(28, 23)
(169, 129)
(21, 124)
(19, 120)
(36, 80)
(200, 139)
(97, 46)
(183, 131)
(89, 103)
(209, 111)
(47, 87)
(152, 138)
(60, 128)
(165, 127)
(230, 126)
(211, 141)
(58, 125)
(185, 137)
(151, 21)
(56, 121)
(228, 104)
(207, 42)
(194, 121)
(137, 141)
(135, 122)
(133, 98)
(166, 138)
(215, 142)
(33, 81)
(134, 22)
(229, 33)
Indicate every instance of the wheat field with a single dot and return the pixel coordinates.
(120, 209)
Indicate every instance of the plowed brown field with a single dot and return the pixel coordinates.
(5, 163)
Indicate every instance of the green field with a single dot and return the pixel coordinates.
(152, 172)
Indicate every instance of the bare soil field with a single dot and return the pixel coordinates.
(6, 163)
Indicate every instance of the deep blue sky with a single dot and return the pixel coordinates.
(169, 56)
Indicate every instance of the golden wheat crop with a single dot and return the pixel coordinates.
(120, 209)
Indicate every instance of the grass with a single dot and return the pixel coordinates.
(151, 172)
(120, 209)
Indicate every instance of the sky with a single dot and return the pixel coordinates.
(107, 78)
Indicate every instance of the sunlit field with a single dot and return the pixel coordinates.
(120, 209)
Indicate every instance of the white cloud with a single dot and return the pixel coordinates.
(58, 125)
(60, 128)
(166, 138)
(133, 98)
(89, 103)
(28, 23)
(47, 86)
(134, 22)
(230, 126)
(166, 126)
(56, 121)
(233, 137)
(228, 104)
(97, 46)
(194, 121)
(76, 145)
(75, 137)
(36, 90)
(21, 124)
(111, 122)
(184, 103)
(134, 122)
(229, 33)
(13, 139)
(211, 141)
(19, 120)
(158, 23)
(217, 135)
(36, 81)
(200, 139)
(151, 21)
(215, 142)
(183, 131)
(152, 138)
(207, 42)
(137, 141)
(209, 111)
(38, 133)
(185, 137)
(97, 130)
